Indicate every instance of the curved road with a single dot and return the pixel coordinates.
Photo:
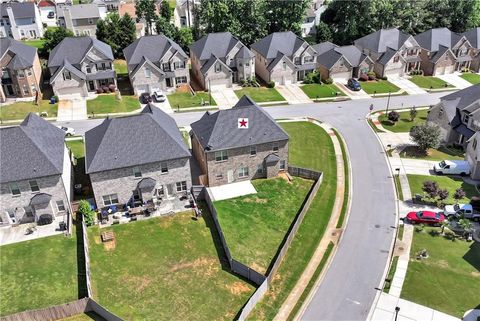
(348, 289)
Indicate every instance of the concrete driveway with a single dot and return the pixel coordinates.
(455, 80)
(413, 166)
(72, 107)
(293, 94)
(224, 97)
(361, 94)
(406, 85)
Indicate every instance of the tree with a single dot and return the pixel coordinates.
(425, 136)
(459, 194)
(52, 38)
(323, 33)
(393, 116)
(147, 10)
(413, 113)
(165, 10)
(185, 37)
(285, 15)
(163, 26)
(431, 188)
(118, 32)
(128, 31)
(465, 225)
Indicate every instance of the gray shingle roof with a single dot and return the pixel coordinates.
(354, 55)
(80, 11)
(382, 39)
(465, 97)
(33, 149)
(151, 47)
(433, 39)
(286, 42)
(329, 58)
(473, 36)
(74, 50)
(323, 47)
(40, 198)
(24, 55)
(219, 131)
(151, 136)
(439, 53)
(20, 9)
(387, 55)
(218, 44)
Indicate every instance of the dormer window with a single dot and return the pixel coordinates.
(308, 59)
(67, 75)
(148, 73)
(298, 61)
(218, 67)
(89, 70)
(166, 66)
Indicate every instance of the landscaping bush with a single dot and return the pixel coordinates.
(312, 78)
(371, 75)
(87, 213)
(442, 195)
(384, 78)
(363, 77)
(413, 113)
(99, 90)
(393, 116)
(431, 188)
(328, 81)
(112, 88)
(105, 89)
(271, 84)
(459, 194)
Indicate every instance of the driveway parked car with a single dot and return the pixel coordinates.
(145, 98)
(159, 96)
(69, 131)
(425, 217)
(354, 85)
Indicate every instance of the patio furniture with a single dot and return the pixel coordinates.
(108, 236)
(135, 211)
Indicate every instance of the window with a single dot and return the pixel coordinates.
(474, 144)
(219, 176)
(253, 150)
(164, 167)
(29, 72)
(25, 90)
(260, 169)
(15, 189)
(243, 172)
(466, 118)
(218, 67)
(34, 89)
(181, 80)
(110, 199)
(396, 59)
(135, 195)
(282, 164)
(275, 146)
(137, 172)
(166, 66)
(284, 65)
(221, 156)
(34, 186)
(308, 59)
(89, 69)
(148, 73)
(20, 74)
(298, 61)
(90, 21)
(181, 186)
(179, 65)
(60, 206)
(67, 75)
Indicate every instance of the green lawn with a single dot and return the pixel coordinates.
(403, 125)
(19, 110)
(80, 177)
(186, 100)
(271, 212)
(260, 94)
(449, 279)
(77, 147)
(38, 43)
(391, 274)
(428, 82)
(444, 182)
(471, 77)
(120, 66)
(165, 269)
(109, 104)
(38, 273)
(318, 154)
(84, 317)
(378, 87)
(439, 154)
(321, 91)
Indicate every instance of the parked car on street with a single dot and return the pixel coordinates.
(69, 131)
(159, 96)
(425, 217)
(353, 84)
(461, 211)
(145, 98)
(452, 167)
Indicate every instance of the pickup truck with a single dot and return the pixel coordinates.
(461, 210)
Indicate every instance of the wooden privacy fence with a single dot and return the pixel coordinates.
(86, 255)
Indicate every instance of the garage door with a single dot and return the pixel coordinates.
(341, 77)
(218, 83)
(70, 91)
(141, 89)
(393, 73)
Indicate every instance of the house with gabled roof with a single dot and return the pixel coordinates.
(156, 63)
(35, 173)
(220, 59)
(395, 53)
(240, 143)
(457, 115)
(140, 158)
(284, 58)
(81, 19)
(473, 36)
(472, 155)
(443, 51)
(81, 65)
(20, 20)
(21, 70)
(341, 63)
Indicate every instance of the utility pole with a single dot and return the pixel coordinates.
(388, 103)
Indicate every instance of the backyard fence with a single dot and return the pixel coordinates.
(253, 300)
(87, 259)
(304, 173)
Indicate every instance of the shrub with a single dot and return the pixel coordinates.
(443, 194)
(328, 81)
(83, 207)
(112, 88)
(89, 218)
(431, 188)
(384, 78)
(99, 90)
(105, 89)
(459, 194)
(393, 116)
(413, 113)
(271, 84)
(85, 211)
(363, 77)
(243, 83)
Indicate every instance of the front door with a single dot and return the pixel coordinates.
(230, 176)
(9, 90)
(91, 85)
(168, 82)
(169, 189)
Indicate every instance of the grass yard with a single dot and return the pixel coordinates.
(260, 94)
(391, 274)
(378, 87)
(80, 177)
(85, 317)
(18, 110)
(38, 273)
(471, 77)
(321, 156)
(109, 104)
(404, 124)
(77, 147)
(314, 91)
(255, 225)
(120, 66)
(444, 182)
(449, 279)
(428, 82)
(38, 43)
(165, 269)
(433, 154)
(186, 100)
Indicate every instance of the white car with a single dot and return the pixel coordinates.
(69, 131)
(159, 96)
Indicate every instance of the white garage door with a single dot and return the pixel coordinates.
(219, 83)
(341, 77)
(393, 73)
(70, 91)
(141, 89)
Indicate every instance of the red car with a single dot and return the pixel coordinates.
(425, 217)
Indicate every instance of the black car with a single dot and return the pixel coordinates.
(145, 98)
(51, 15)
(353, 84)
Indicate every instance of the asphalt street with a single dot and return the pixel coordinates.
(349, 287)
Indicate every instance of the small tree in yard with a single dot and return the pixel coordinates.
(442, 195)
(413, 114)
(466, 225)
(393, 116)
(431, 188)
(87, 213)
(459, 194)
(425, 136)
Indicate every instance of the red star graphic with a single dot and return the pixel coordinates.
(243, 123)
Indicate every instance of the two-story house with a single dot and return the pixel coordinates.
(156, 63)
(284, 58)
(80, 65)
(394, 52)
(457, 115)
(20, 21)
(81, 19)
(183, 15)
(473, 36)
(21, 70)
(48, 12)
(35, 173)
(138, 158)
(341, 63)
(472, 155)
(240, 143)
(443, 51)
(220, 59)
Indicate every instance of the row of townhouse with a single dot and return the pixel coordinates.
(135, 159)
